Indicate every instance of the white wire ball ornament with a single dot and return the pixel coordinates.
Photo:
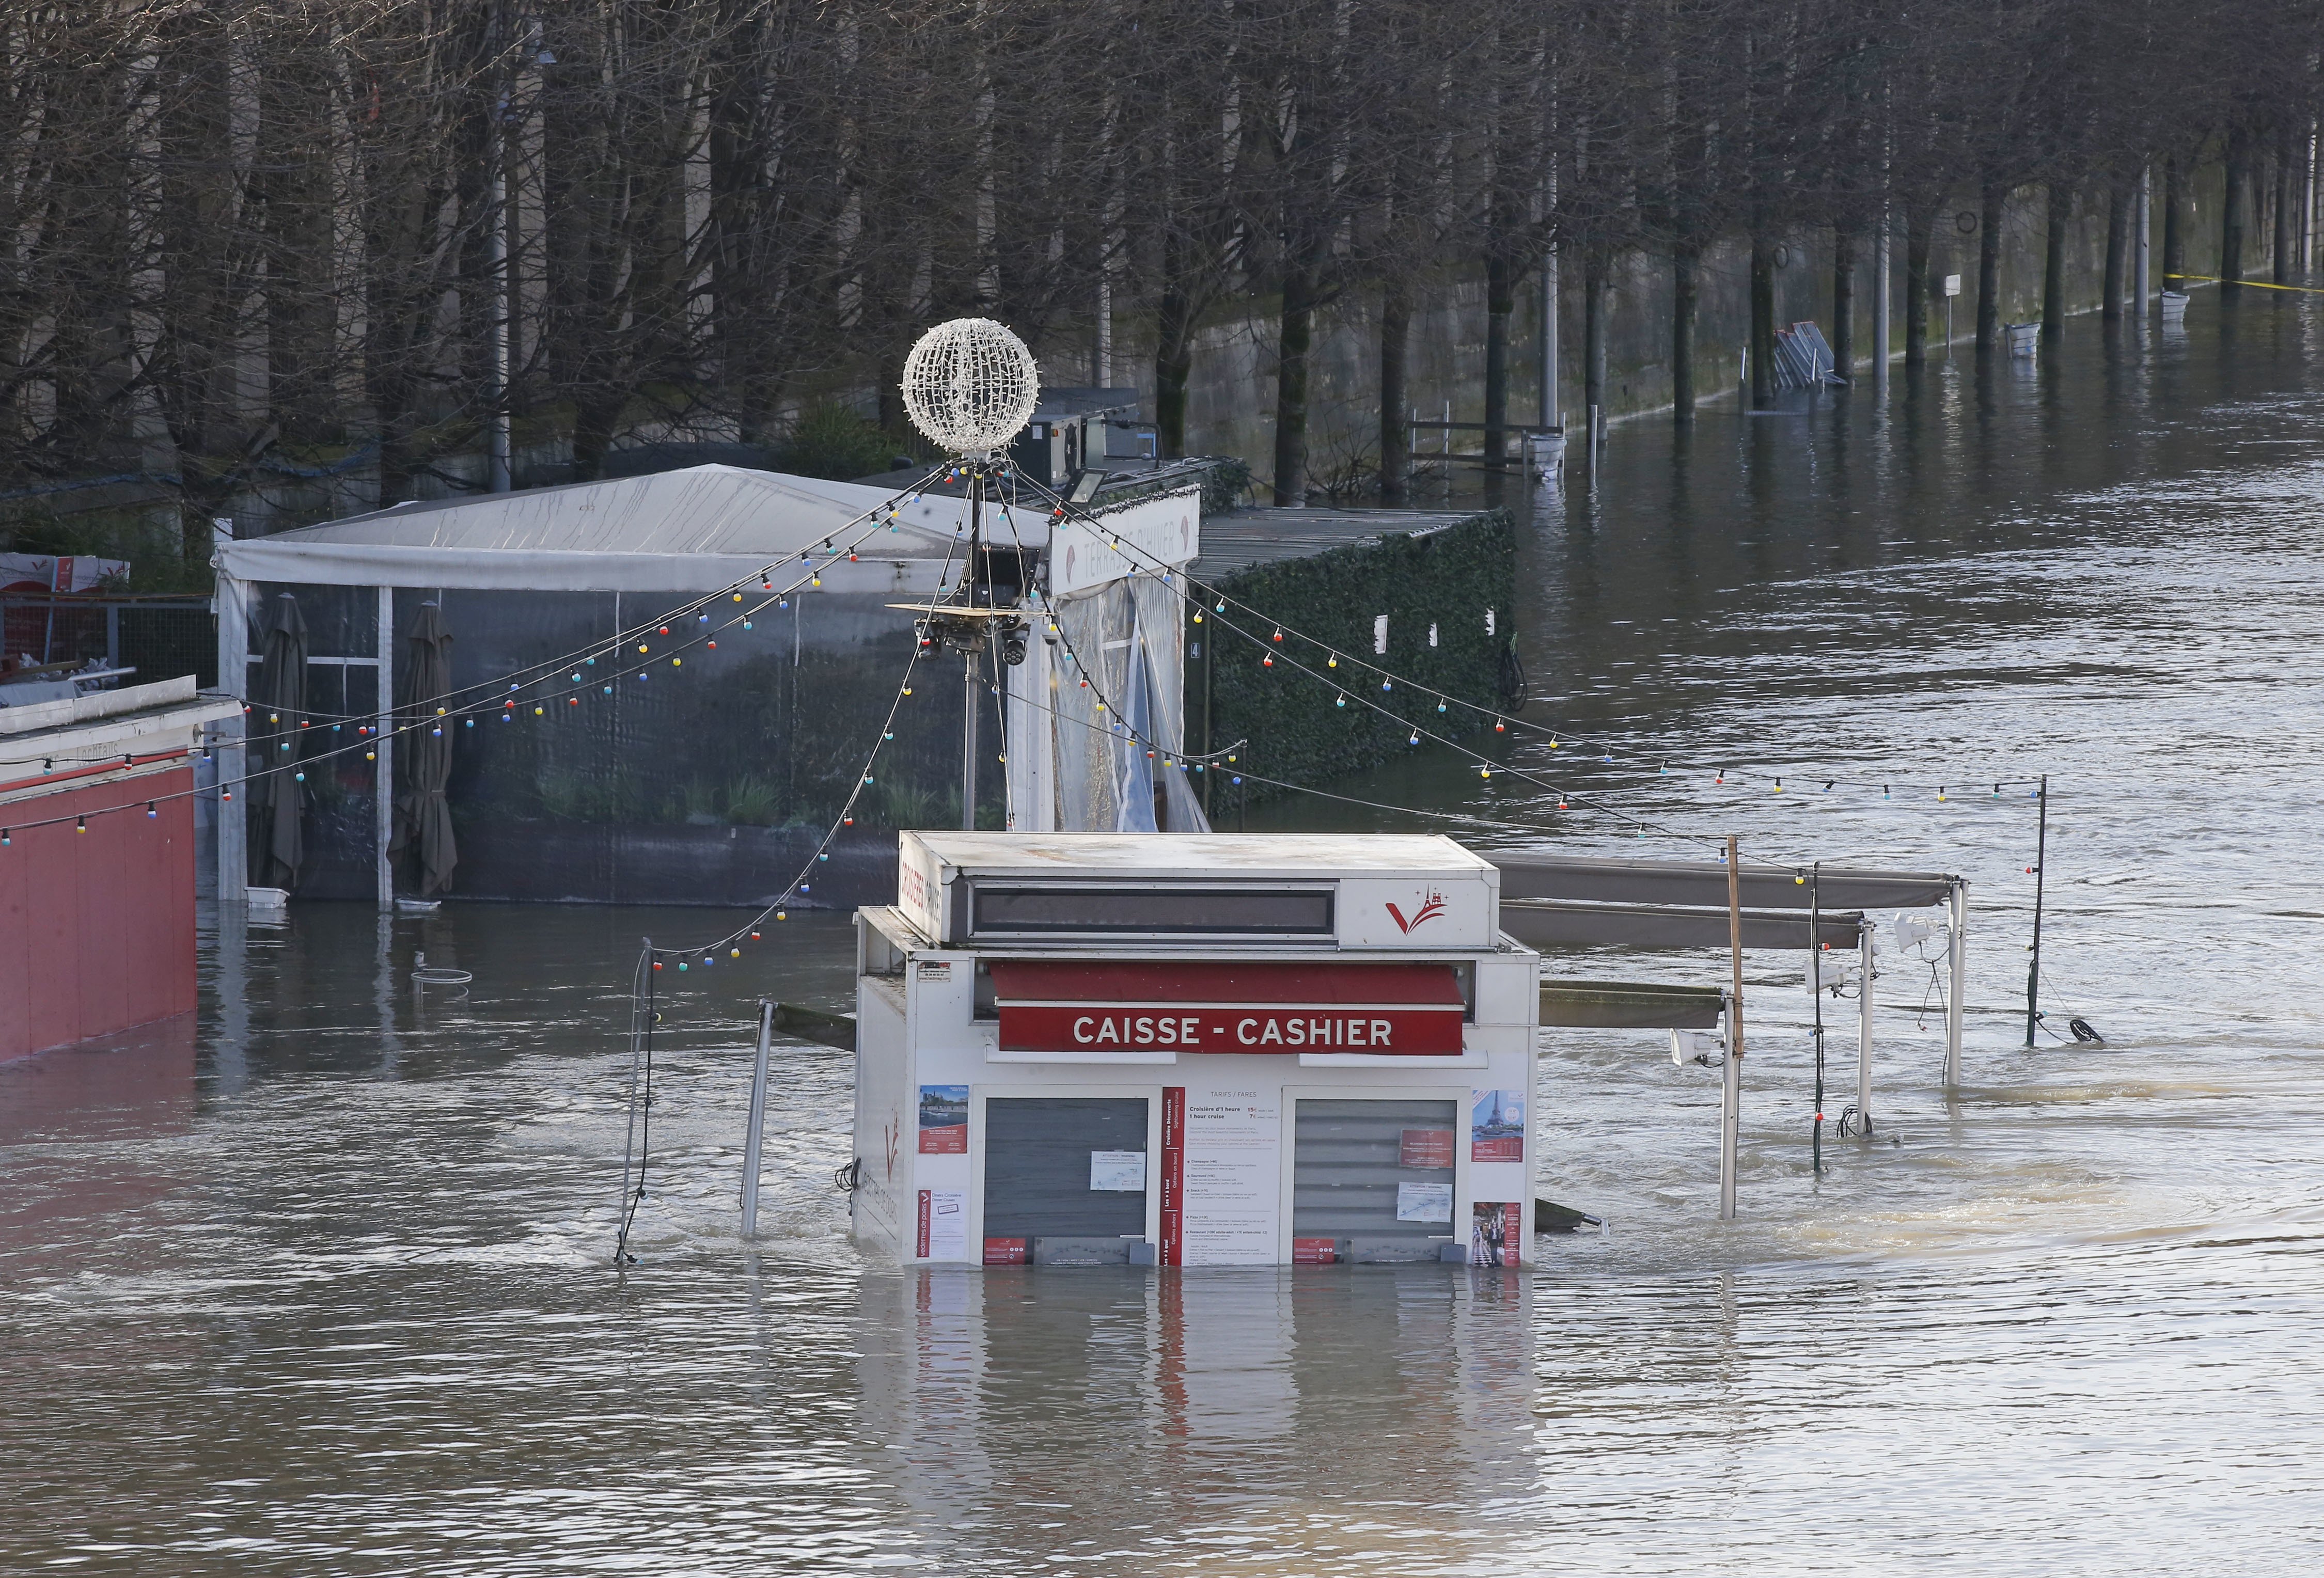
(969, 385)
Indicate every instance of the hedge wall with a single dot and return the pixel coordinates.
(1444, 578)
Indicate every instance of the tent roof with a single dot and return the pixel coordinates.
(694, 530)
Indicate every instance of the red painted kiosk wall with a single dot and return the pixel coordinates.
(97, 928)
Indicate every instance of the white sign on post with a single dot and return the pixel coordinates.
(1952, 285)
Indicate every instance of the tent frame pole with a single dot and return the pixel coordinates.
(383, 768)
(232, 760)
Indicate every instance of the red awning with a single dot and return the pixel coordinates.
(1262, 1006)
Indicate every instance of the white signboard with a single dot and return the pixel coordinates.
(1164, 529)
(1234, 1177)
(1120, 1170)
(1423, 1202)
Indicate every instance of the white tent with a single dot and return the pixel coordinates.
(661, 537)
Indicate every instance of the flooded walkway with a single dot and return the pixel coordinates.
(320, 1284)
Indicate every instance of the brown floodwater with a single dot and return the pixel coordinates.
(318, 1280)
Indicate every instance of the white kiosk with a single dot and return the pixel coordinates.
(1184, 1049)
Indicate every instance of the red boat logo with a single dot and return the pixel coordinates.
(1427, 912)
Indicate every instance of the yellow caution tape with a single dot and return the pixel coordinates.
(2257, 284)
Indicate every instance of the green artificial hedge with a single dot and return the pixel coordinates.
(1297, 731)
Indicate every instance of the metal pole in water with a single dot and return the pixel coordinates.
(2041, 853)
(1730, 1100)
(1955, 1007)
(1864, 1027)
(1815, 974)
(758, 1119)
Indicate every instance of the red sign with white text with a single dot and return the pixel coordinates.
(1005, 1251)
(1424, 1147)
(1375, 1008)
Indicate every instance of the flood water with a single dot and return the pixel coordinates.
(322, 1283)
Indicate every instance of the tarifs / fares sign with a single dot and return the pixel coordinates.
(1090, 1026)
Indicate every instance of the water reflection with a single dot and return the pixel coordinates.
(1330, 1418)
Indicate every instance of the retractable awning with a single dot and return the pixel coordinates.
(1622, 1005)
(1703, 882)
(1289, 1006)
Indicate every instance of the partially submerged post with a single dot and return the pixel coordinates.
(1730, 1101)
(1864, 1027)
(758, 1120)
(1957, 948)
(2041, 855)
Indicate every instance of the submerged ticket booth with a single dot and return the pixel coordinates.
(1192, 1050)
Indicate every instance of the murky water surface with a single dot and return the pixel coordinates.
(320, 1284)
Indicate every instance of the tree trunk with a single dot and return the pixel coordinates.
(1594, 265)
(2120, 207)
(1173, 364)
(2174, 229)
(2234, 219)
(2053, 262)
(2283, 206)
(1988, 267)
(1291, 342)
(1763, 318)
(1684, 259)
(1920, 227)
(1395, 432)
(1500, 304)
(1843, 301)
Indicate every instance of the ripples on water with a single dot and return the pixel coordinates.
(338, 1300)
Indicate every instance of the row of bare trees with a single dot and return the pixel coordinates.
(266, 238)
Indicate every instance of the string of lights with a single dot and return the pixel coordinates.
(1504, 721)
(447, 708)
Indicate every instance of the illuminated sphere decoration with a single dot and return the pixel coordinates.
(969, 385)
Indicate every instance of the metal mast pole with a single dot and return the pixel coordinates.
(1730, 1101)
(2041, 853)
(968, 659)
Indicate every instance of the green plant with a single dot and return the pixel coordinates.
(753, 802)
(829, 440)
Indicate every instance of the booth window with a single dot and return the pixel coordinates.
(1089, 909)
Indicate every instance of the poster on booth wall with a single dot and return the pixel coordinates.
(1424, 1148)
(942, 1232)
(1495, 1227)
(944, 1120)
(1232, 1160)
(1424, 1203)
(1123, 1171)
(1496, 1126)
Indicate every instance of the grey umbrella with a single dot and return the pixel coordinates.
(278, 707)
(423, 754)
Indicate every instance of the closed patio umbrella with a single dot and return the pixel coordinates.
(278, 707)
(423, 755)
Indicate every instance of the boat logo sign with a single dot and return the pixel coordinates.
(1427, 912)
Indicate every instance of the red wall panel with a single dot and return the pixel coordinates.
(97, 928)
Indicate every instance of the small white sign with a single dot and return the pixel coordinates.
(1423, 1202)
(1952, 285)
(1125, 1172)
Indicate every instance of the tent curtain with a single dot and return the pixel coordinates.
(278, 711)
(423, 760)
